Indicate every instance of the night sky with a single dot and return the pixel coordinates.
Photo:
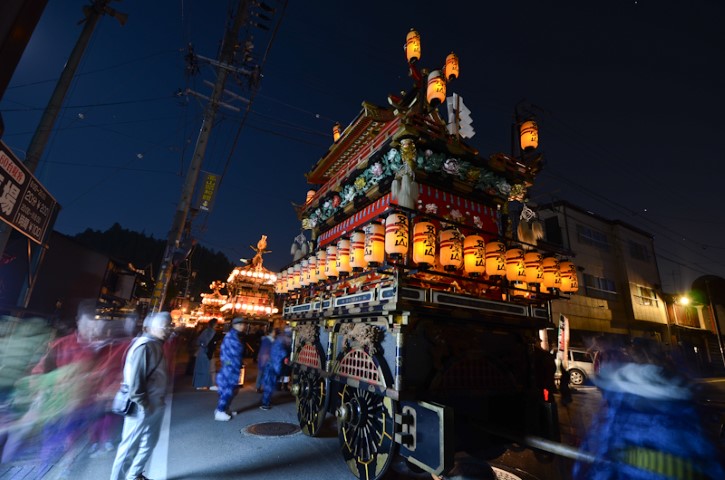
(628, 95)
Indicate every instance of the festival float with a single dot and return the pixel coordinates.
(419, 300)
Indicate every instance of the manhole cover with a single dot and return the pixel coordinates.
(272, 429)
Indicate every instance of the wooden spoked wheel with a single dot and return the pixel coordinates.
(365, 430)
(311, 394)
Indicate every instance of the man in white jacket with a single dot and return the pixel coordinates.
(146, 374)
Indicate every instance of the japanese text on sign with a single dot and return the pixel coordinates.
(24, 203)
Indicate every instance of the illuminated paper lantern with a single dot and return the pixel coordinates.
(396, 235)
(281, 285)
(304, 273)
(529, 135)
(312, 270)
(336, 132)
(412, 46)
(436, 92)
(495, 258)
(451, 68)
(474, 255)
(515, 270)
(424, 244)
(551, 278)
(321, 265)
(569, 279)
(297, 276)
(450, 249)
(357, 251)
(343, 257)
(331, 262)
(532, 265)
(374, 244)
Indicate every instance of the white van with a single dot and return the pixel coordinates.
(580, 366)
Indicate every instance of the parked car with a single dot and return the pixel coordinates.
(580, 366)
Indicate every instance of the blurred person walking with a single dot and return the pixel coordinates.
(279, 356)
(265, 349)
(204, 354)
(227, 380)
(146, 374)
(650, 426)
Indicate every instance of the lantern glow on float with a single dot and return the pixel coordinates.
(331, 263)
(550, 266)
(412, 46)
(532, 265)
(396, 235)
(374, 244)
(312, 270)
(529, 135)
(336, 132)
(343, 257)
(321, 265)
(424, 244)
(451, 68)
(357, 251)
(474, 255)
(569, 279)
(495, 258)
(515, 267)
(436, 88)
(450, 251)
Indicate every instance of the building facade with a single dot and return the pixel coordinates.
(620, 293)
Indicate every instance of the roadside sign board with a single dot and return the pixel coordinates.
(24, 203)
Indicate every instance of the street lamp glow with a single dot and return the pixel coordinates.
(683, 300)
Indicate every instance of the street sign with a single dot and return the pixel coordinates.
(24, 203)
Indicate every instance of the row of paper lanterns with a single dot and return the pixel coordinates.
(448, 247)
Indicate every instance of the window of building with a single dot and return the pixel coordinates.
(638, 251)
(647, 297)
(600, 287)
(553, 231)
(590, 236)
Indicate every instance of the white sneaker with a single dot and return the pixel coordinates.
(214, 388)
(221, 416)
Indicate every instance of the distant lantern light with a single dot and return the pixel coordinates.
(436, 92)
(474, 255)
(412, 46)
(312, 270)
(424, 244)
(304, 272)
(331, 263)
(396, 235)
(310, 196)
(282, 283)
(569, 279)
(495, 259)
(515, 267)
(321, 265)
(336, 129)
(552, 278)
(450, 251)
(532, 265)
(343, 257)
(529, 135)
(451, 68)
(357, 251)
(374, 244)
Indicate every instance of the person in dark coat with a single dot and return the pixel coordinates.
(265, 350)
(279, 356)
(204, 353)
(227, 379)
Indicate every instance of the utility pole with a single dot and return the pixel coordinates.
(229, 48)
(93, 14)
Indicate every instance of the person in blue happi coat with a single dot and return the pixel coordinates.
(227, 379)
(278, 357)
